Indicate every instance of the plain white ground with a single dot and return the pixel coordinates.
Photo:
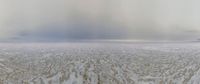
(100, 63)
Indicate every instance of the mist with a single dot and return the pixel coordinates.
(63, 20)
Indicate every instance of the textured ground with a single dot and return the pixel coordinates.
(100, 63)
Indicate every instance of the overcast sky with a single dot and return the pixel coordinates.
(63, 20)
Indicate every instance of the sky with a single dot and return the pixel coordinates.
(64, 20)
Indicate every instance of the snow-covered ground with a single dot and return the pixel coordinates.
(100, 63)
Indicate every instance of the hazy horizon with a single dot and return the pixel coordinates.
(77, 20)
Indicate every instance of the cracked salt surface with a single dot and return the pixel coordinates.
(100, 63)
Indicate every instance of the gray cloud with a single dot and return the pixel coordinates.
(62, 20)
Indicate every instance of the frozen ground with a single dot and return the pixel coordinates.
(100, 63)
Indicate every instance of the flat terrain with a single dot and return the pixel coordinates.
(100, 63)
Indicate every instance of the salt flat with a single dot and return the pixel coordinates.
(100, 63)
